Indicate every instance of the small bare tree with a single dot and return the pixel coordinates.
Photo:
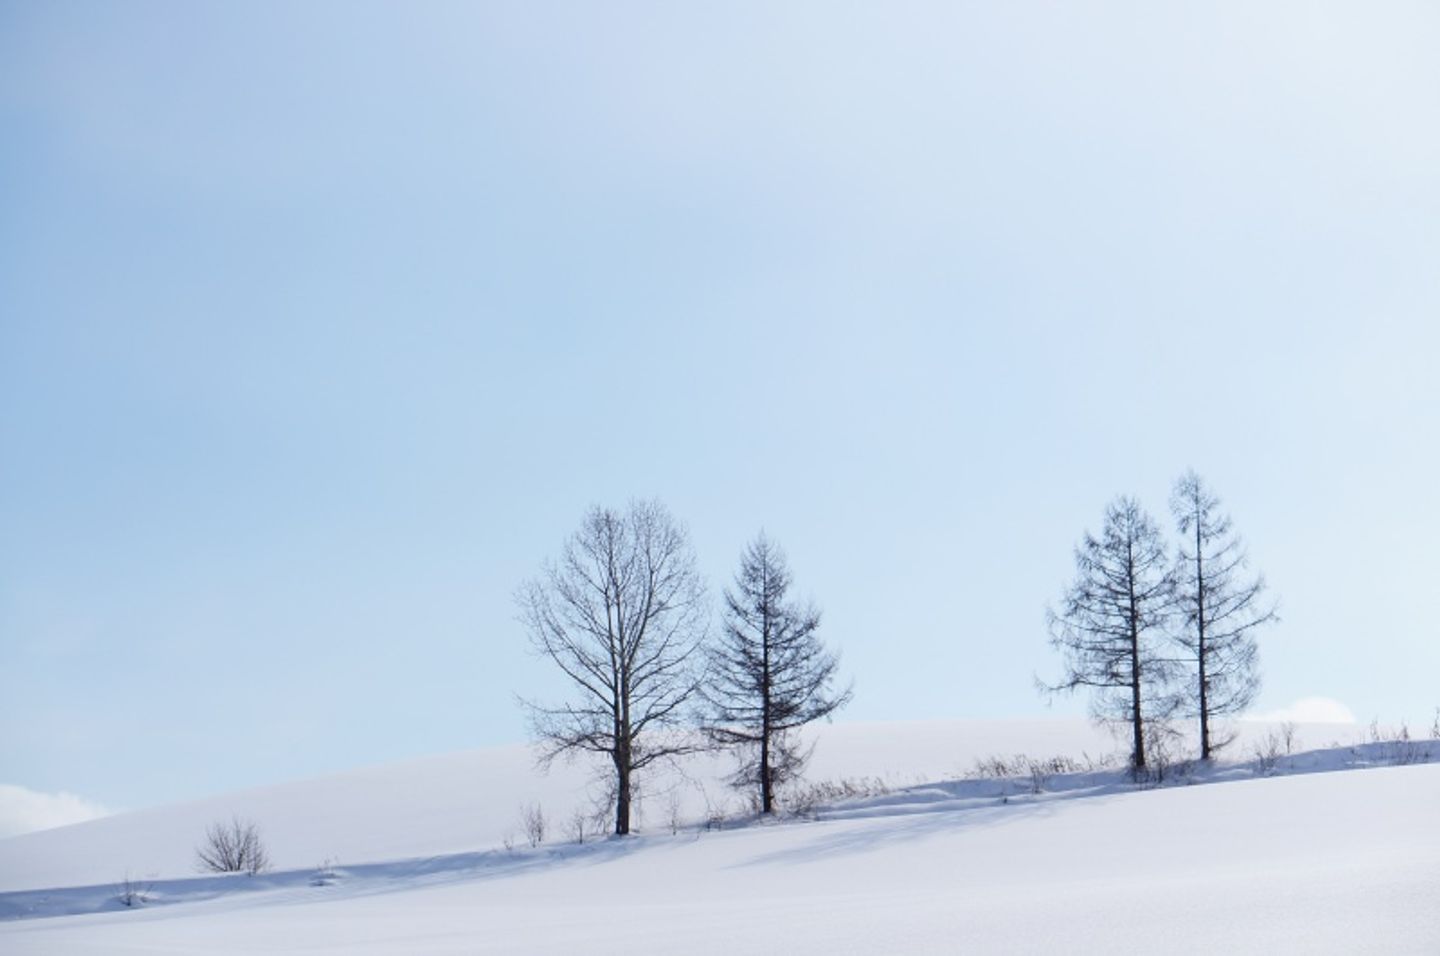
(621, 615)
(233, 847)
(532, 819)
(1267, 752)
(579, 824)
(672, 812)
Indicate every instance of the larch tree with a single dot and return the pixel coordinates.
(1220, 606)
(1110, 628)
(622, 614)
(768, 674)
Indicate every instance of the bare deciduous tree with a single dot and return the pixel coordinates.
(622, 614)
(233, 847)
(1111, 622)
(1219, 609)
(769, 675)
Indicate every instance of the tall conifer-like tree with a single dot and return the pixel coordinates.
(1110, 628)
(769, 674)
(1219, 606)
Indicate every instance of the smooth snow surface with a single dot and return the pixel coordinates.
(472, 801)
(1311, 862)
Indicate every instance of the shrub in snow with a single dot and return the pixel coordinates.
(672, 807)
(532, 821)
(805, 799)
(1396, 747)
(1162, 741)
(1035, 773)
(1402, 750)
(1268, 751)
(579, 826)
(132, 892)
(325, 874)
(233, 847)
(717, 815)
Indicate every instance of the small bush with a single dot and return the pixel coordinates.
(997, 767)
(1040, 772)
(132, 892)
(717, 816)
(1014, 766)
(532, 821)
(1394, 746)
(1268, 751)
(1036, 773)
(580, 826)
(1162, 743)
(804, 799)
(1403, 751)
(673, 813)
(232, 848)
(325, 874)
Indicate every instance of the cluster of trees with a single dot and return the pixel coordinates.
(624, 614)
(1157, 633)
(1154, 631)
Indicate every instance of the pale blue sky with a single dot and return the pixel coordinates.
(322, 324)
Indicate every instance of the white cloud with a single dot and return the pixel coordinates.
(1310, 710)
(23, 810)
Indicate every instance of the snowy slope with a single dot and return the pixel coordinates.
(1315, 862)
(471, 801)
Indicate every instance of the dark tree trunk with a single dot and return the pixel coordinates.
(624, 764)
(767, 799)
(1200, 645)
(1137, 722)
(622, 804)
(622, 791)
(767, 796)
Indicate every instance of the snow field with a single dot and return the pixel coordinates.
(1314, 862)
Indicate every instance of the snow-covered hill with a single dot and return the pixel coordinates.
(472, 800)
(1232, 861)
